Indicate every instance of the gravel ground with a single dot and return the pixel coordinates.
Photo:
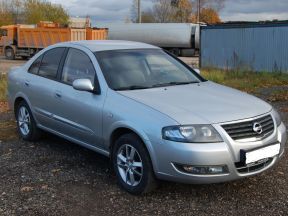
(56, 177)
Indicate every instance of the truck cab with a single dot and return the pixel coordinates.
(8, 36)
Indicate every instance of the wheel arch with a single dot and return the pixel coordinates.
(18, 99)
(124, 129)
(13, 54)
(10, 47)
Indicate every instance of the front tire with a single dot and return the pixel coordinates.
(26, 124)
(132, 165)
(9, 53)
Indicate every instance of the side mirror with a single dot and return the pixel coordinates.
(197, 70)
(83, 85)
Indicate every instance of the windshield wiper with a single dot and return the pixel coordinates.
(174, 83)
(133, 87)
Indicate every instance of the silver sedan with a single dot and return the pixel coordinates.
(154, 116)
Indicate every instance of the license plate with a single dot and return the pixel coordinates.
(262, 153)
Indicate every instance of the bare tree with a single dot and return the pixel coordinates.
(217, 5)
(133, 12)
(163, 11)
(5, 16)
(212, 7)
(17, 6)
(180, 11)
(183, 11)
(13, 9)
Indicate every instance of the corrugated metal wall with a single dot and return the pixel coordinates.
(256, 47)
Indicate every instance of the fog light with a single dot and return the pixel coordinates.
(204, 170)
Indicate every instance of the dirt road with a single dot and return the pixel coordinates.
(5, 64)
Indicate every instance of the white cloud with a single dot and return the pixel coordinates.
(119, 10)
(101, 10)
(254, 16)
(254, 10)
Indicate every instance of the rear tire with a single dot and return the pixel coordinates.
(26, 124)
(175, 51)
(132, 165)
(9, 53)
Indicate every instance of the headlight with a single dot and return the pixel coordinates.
(191, 134)
(276, 117)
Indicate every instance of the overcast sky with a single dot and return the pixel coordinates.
(119, 10)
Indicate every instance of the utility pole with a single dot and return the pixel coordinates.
(198, 10)
(139, 11)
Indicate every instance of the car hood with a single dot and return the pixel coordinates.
(203, 103)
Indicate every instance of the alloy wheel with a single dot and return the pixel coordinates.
(24, 121)
(129, 165)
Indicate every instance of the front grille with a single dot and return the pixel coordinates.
(253, 167)
(244, 130)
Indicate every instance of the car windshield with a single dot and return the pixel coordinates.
(145, 68)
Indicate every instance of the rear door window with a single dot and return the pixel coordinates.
(50, 63)
(77, 66)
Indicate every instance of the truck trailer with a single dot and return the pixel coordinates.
(26, 40)
(182, 39)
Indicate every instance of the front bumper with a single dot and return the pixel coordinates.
(226, 153)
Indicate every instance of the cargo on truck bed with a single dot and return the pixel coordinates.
(26, 40)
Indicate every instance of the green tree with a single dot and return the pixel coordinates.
(31, 12)
(39, 10)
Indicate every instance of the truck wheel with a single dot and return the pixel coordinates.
(9, 53)
(132, 165)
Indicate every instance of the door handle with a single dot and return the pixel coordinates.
(27, 83)
(58, 95)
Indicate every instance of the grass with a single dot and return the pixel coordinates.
(278, 95)
(245, 81)
(3, 87)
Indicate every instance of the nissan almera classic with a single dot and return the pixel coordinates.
(153, 115)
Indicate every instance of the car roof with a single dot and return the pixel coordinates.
(103, 45)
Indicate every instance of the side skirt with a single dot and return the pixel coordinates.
(93, 148)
